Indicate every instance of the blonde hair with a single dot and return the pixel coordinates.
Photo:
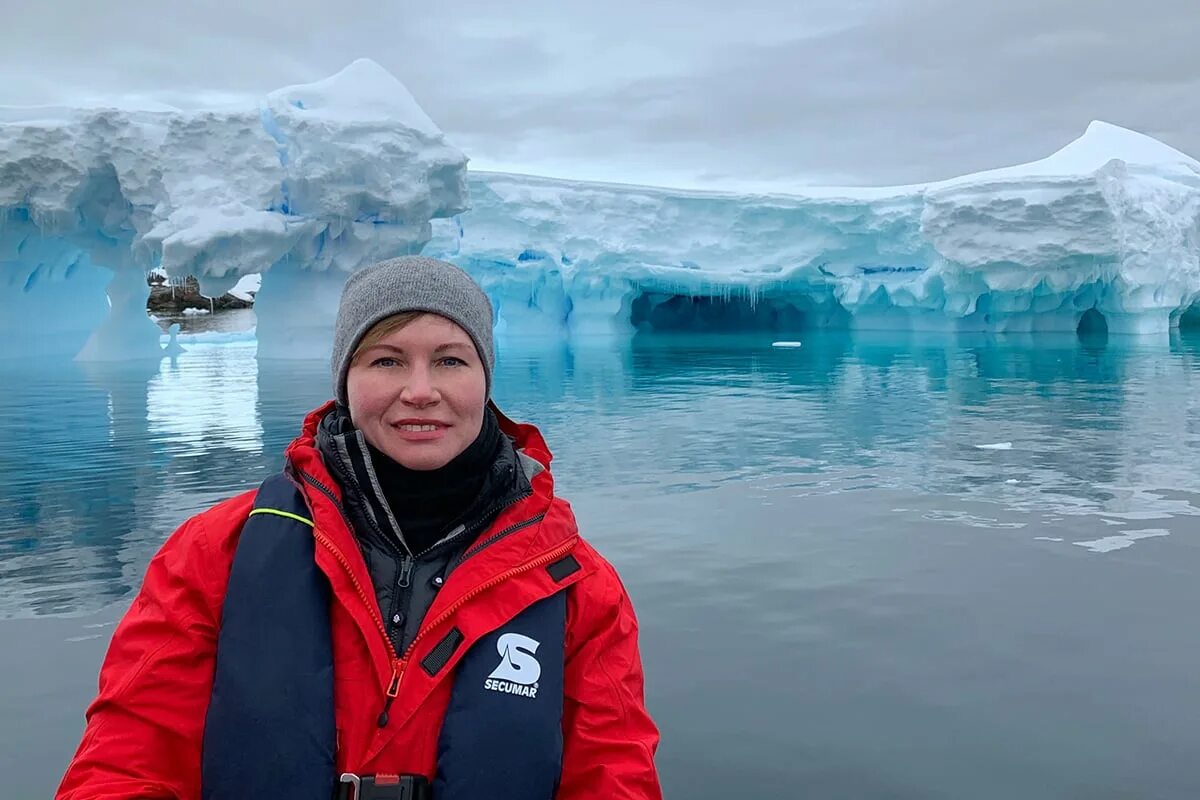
(383, 329)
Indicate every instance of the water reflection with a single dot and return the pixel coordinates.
(105, 460)
(197, 409)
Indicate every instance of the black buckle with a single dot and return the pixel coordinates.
(383, 787)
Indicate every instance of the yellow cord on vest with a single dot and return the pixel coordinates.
(279, 513)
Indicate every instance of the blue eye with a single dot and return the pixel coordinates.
(451, 361)
(384, 362)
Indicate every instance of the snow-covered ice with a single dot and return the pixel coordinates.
(1109, 226)
(315, 181)
(247, 287)
(304, 186)
(1121, 541)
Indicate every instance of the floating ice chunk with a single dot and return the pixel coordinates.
(995, 446)
(1048, 539)
(1121, 541)
(195, 312)
(172, 347)
(1012, 481)
(787, 344)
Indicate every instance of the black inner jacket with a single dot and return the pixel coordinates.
(412, 526)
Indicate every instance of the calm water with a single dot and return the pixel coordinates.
(842, 594)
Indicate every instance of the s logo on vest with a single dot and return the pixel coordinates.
(519, 671)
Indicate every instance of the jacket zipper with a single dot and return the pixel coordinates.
(394, 684)
(464, 530)
(406, 568)
(408, 559)
(396, 543)
(399, 667)
(400, 664)
(495, 537)
(402, 549)
(541, 560)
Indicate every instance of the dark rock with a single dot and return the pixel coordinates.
(172, 297)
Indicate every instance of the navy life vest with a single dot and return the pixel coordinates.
(270, 726)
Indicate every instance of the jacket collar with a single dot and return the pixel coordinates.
(529, 533)
(303, 456)
(345, 452)
(530, 445)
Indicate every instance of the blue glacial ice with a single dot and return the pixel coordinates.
(311, 182)
(1105, 232)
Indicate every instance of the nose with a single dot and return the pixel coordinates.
(419, 390)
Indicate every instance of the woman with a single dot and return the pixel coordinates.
(407, 611)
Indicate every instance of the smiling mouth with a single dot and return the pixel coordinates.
(418, 428)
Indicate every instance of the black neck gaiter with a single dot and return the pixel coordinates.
(428, 503)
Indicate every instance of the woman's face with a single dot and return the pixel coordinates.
(419, 393)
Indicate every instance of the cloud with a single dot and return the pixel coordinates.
(692, 93)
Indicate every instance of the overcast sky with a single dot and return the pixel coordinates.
(679, 92)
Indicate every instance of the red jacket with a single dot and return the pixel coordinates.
(144, 728)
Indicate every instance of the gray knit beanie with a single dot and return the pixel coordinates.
(409, 283)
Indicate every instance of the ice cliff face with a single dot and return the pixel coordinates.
(1109, 227)
(312, 182)
(307, 185)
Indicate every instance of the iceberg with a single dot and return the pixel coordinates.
(311, 182)
(1102, 235)
(302, 186)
